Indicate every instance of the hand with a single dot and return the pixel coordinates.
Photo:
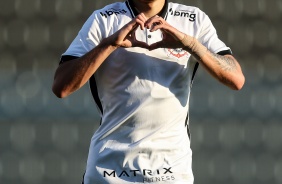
(125, 37)
(172, 38)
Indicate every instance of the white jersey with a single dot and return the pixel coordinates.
(143, 98)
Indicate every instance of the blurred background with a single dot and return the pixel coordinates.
(236, 135)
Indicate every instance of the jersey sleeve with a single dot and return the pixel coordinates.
(87, 38)
(209, 38)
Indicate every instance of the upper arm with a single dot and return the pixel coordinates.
(87, 38)
(209, 38)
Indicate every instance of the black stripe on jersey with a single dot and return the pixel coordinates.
(164, 11)
(83, 179)
(194, 71)
(67, 58)
(94, 91)
(187, 126)
(225, 52)
(130, 9)
(134, 12)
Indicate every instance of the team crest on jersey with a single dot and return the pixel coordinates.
(178, 53)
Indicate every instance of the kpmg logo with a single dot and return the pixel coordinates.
(183, 13)
(149, 176)
(112, 11)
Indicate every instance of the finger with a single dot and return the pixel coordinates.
(128, 30)
(133, 24)
(167, 29)
(153, 21)
(157, 26)
(140, 23)
(129, 27)
(150, 20)
(141, 19)
(137, 43)
(156, 45)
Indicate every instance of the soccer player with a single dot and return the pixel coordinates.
(135, 55)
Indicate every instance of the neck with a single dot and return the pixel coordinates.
(149, 7)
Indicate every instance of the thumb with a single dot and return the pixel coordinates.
(156, 45)
(140, 44)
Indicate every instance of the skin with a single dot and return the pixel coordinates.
(72, 75)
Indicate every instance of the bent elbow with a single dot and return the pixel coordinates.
(239, 83)
(60, 93)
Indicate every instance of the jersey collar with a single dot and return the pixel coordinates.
(134, 12)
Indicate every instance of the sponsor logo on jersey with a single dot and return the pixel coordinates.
(164, 174)
(113, 11)
(161, 178)
(178, 53)
(183, 13)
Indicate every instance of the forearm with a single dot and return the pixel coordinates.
(224, 68)
(73, 74)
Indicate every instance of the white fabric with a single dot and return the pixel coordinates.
(145, 95)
